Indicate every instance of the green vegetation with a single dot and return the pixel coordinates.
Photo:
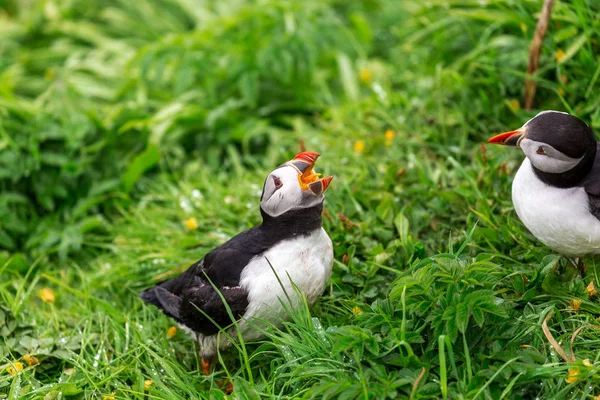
(120, 120)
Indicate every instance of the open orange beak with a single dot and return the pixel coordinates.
(309, 179)
(512, 138)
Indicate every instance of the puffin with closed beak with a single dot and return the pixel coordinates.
(556, 191)
(260, 271)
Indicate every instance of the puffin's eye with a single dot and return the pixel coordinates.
(277, 182)
(541, 151)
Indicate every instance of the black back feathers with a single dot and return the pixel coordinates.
(591, 183)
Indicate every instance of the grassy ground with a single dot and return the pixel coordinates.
(120, 121)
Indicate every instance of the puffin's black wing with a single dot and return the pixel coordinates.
(182, 297)
(194, 302)
(202, 307)
(591, 183)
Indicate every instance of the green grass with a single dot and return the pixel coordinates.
(120, 120)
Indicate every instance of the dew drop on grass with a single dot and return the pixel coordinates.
(317, 324)
(287, 353)
(319, 330)
(196, 194)
(158, 261)
(96, 358)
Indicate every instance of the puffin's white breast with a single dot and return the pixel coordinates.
(306, 261)
(559, 218)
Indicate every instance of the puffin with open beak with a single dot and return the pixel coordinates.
(260, 271)
(556, 191)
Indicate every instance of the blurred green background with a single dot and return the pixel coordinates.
(96, 94)
(135, 136)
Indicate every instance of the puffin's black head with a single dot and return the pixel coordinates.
(294, 185)
(555, 142)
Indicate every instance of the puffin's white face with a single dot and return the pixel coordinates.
(555, 142)
(546, 158)
(294, 185)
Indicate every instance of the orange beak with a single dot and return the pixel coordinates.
(512, 138)
(308, 179)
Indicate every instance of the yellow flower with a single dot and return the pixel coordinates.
(172, 331)
(523, 28)
(573, 372)
(365, 75)
(47, 295)
(191, 223)
(559, 55)
(359, 146)
(31, 360)
(389, 137)
(575, 304)
(147, 384)
(356, 310)
(514, 105)
(587, 362)
(561, 91)
(108, 396)
(591, 289)
(15, 368)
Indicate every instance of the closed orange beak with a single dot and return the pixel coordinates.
(512, 138)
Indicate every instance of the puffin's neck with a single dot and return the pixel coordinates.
(572, 177)
(293, 223)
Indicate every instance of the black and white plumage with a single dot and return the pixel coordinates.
(556, 191)
(290, 238)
